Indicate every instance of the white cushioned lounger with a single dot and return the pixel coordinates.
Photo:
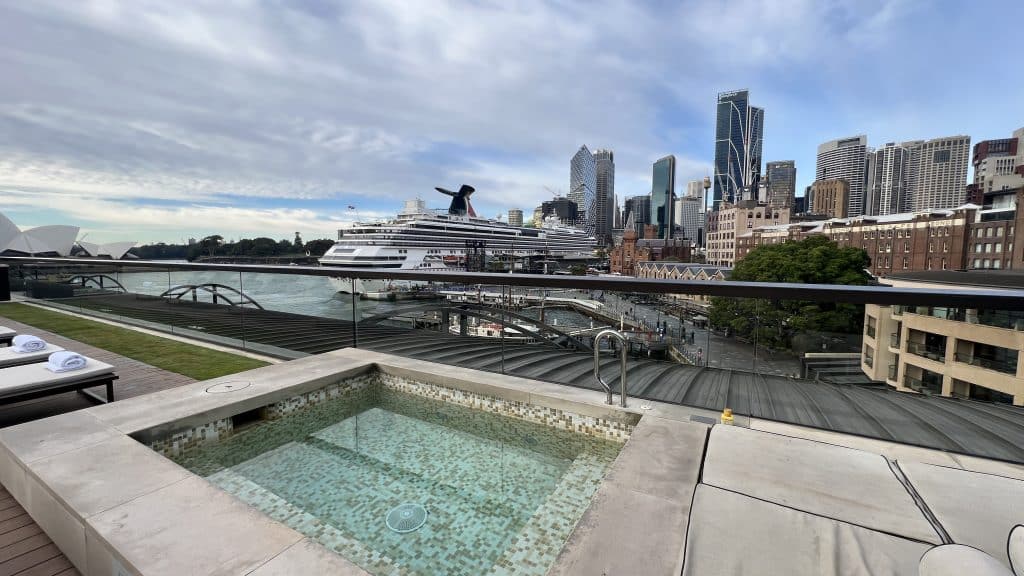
(8, 357)
(6, 335)
(35, 381)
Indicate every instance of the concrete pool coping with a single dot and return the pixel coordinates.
(114, 506)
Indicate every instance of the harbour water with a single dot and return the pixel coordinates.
(308, 295)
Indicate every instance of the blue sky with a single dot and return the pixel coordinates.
(149, 120)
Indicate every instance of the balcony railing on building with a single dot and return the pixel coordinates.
(894, 340)
(1003, 366)
(928, 386)
(926, 351)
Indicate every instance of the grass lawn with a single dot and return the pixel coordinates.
(187, 359)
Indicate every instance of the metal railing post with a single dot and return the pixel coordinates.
(622, 365)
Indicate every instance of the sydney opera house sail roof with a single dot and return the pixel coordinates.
(56, 240)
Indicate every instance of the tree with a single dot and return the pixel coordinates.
(578, 270)
(815, 260)
(298, 242)
(211, 243)
(319, 247)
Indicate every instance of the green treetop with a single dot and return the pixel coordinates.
(815, 260)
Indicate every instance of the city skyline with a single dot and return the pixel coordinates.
(136, 121)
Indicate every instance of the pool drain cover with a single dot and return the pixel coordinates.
(406, 518)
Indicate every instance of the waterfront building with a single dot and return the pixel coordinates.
(730, 221)
(738, 138)
(583, 189)
(938, 173)
(515, 217)
(845, 158)
(639, 209)
(663, 184)
(564, 208)
(635, 249)
(959, 352)
(604, 197)
(831, 197)
(781, 183)
(887, 180)
(538, 215)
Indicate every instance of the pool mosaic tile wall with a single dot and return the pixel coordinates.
(502, 493)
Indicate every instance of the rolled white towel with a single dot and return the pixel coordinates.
(28, 343)
(65, 361)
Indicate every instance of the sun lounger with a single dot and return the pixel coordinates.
(6, 335)
(35, 381)
(8, 357)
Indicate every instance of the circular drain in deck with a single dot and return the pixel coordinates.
(230, 386)
(406, 518)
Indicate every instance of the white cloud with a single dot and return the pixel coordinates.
(213, 102)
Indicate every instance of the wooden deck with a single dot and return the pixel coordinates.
(24, 549)
(134, 379)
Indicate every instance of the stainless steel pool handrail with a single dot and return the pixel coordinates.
(622, 364)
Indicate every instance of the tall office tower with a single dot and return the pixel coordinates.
(738, 134)
(515, 217)
(618, 214)
(604, 201)
(663, 185)
(689, 217)
(888, 171)
(781, 178)
(845, 158)
(639, 209)
(583, 188)
(938, 173)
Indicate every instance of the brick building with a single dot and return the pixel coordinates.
(633, 250)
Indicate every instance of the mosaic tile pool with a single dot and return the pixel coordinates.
(502, 494)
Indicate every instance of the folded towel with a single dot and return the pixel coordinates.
(65, 361)
(28, 343)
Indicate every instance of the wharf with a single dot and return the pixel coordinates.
(956, 425)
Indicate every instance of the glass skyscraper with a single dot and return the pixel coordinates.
(781, 178)
(604, 198)
(639, 208)
(662, 188)
(739, 129)
(583, 188)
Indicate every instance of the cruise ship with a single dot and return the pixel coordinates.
(421, 239)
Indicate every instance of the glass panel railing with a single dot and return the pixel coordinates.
(1004, 366)
(932, 352)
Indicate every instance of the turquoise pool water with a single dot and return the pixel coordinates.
(501, 495)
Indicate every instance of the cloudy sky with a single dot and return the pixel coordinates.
(156, 120)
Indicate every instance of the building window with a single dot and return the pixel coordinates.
(906, 262)
(988, 232)
(999, 248)
(943, 263)
(988, 248)
(906, 246)
(976, 263)
(999, 232)
(996, 263)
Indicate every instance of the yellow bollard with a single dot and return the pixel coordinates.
(727, 416)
